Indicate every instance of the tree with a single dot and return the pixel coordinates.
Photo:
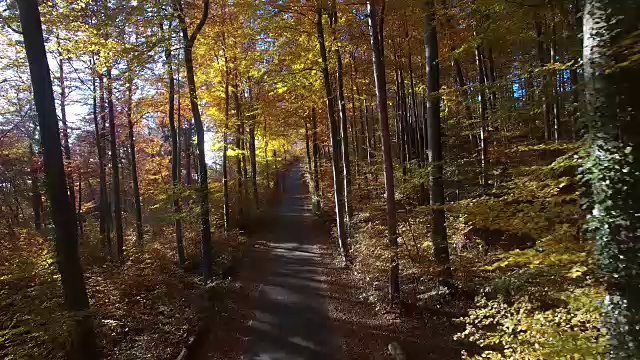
(83, 344)
(335, 141)
(115, 169)
(189, 41)
(344, 131)
(438, 226)
(376, 30)
(612, 169)
(132, 151)
(175, 152)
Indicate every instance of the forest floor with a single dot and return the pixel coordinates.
(292, 300)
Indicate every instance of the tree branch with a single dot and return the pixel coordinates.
(203, 20)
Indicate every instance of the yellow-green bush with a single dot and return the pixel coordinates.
(525, 329)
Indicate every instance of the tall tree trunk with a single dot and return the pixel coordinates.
(466, 100)
(252, 153)
(83, 344)
(612, 170)
(355, 124)
(376, 31)
(344, 133)
(36, 195)
(105, 207)
(368, 131)
(115, 170)
(134, 167)
(307, 148)
(238, 146)
(188, 143)
(484, 159)
(316, 161)
(65, 130)
(203, 191)
(546, 104)
(438, 229)
(400, 132)
(80, 217)
(175, 156)
(335, 144)
(266, 154)
(225, 175)
(573, 71)
(491, 72)
(555, 93)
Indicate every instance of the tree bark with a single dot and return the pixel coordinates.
(115, 170)
(105, 206)
(344, 133)
(484, 159)
(238, 146)
(225, 175)
(344, 126)
(134, 167)
(252, 153)
(65, 130)
(546, 105)
(175, 156)
(438, 229)
(612, 169)
(83, 344)
(203, 190)
(36, 195)
(573, 71)
(555, 96)
(316, 161)
(335, 144)
(467, 106)
(307, 147)
(376, 31)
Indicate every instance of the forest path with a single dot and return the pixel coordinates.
(290, 314)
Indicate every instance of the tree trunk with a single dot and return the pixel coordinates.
(175, 157)
(252, 154)
(377, 44)
(573, 71)
(266, 154)
(105, 207)
(307, 148)
(225, 175)
(65, 131)
(134, 167)
(80, 217)
(203, 191)
(344, 133)
(491, 72)
(546, 105)
(83, 344)
(612, 170)
(438, 229)
(316, 161)
(188, 139)
(238, 145)
(36, 195)
(368, 131)
(115, 170)
(400, 132)
(555, 95)
(335, 144)
(467, 106)
(355, 124)
(484, 160)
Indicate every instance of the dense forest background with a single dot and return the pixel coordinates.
(475, 158)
